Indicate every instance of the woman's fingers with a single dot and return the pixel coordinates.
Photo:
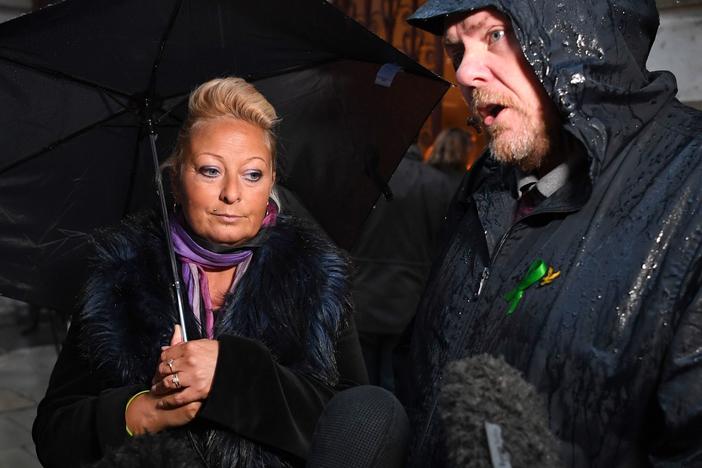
(176, 339)
(177, 336)
(170, 383)
(169, 366)
(147, 413)
(178, 399)
(183, 365)
(182, 415)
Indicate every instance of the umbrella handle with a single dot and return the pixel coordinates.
(167, 229)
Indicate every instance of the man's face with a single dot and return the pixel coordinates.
(501, 89)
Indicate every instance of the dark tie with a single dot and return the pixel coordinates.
(530, 199)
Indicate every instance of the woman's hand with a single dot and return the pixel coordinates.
(189, 376)
(144, 415)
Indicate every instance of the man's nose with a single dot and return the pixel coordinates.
(473, 71)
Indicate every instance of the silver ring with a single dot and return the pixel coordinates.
(170, 365)
(175, 380)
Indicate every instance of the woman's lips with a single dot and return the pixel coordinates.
(228, 217)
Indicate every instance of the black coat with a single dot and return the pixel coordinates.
(393, 255)
(615, 343)
(287, 344)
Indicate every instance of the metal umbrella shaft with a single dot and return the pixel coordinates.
(167, 228)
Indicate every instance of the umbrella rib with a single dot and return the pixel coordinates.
(164, 114)
(67, 77)
(151, 90)
(132, 176)
(58, 142)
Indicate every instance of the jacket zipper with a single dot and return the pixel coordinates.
(483, 278)
(486, 271)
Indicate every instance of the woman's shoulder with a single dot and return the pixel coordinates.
(134, 236)
(302, 235)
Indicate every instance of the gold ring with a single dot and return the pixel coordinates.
(170, 365)
(175, 380)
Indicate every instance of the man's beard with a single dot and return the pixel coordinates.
(524, 141)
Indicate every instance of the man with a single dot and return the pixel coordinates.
(392, 259)
(575, 249)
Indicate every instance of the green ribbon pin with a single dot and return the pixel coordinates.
(536, 271)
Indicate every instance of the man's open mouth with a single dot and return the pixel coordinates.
(489, 113)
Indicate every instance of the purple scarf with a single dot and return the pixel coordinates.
(194, 259)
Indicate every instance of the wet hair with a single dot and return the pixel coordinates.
(224, 97)
(450, 150)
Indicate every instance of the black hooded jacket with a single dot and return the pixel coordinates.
(614, 344)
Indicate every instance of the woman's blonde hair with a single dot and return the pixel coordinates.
(224, 97)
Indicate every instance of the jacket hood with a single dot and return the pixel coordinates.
(590, 57)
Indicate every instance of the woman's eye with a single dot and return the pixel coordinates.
(496, 35)
(209, 171)
(253, 176)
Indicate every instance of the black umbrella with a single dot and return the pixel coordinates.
(80, 82)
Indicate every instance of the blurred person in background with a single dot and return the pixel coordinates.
(392, 258)
(449, 154)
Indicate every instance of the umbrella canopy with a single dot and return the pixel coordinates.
(79, 80)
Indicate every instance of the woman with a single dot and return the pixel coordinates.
(450, 151)
(271, 335)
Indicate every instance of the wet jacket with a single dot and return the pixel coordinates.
(614, 344)
(286, 345)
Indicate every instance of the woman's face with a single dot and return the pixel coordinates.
(225, 180)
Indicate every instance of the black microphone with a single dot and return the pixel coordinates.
(493, 418)
(474, 122)
(362, 427)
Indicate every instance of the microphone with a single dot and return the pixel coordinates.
(362, 427)
(474, 122)
(493, 418)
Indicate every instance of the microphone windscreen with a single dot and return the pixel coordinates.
(484, 389)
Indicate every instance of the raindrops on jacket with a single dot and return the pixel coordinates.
(625, 236)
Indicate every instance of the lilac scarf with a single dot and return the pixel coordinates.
(194, 259)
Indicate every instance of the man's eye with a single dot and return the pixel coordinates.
(496, 35)
(209, 171)
(253, 176)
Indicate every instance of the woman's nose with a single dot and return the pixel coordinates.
(231, 191)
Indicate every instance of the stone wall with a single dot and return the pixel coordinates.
(678, 45)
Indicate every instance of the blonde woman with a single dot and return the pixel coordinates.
(272, 338)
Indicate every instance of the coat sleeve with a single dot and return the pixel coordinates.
(262, 400)
(77, 421)
(679, 394)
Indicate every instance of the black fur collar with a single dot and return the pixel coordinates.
(294, 298)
